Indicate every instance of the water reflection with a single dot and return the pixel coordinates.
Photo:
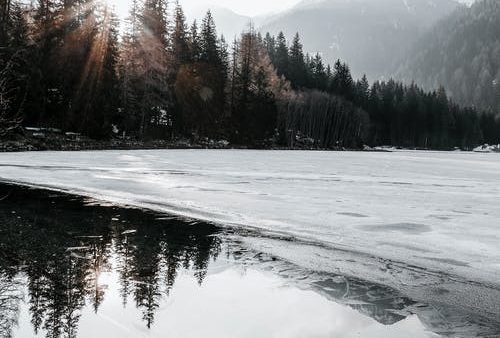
(9, 302)
(61, 249)
(75, 269)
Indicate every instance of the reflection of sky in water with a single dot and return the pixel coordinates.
(231, 303)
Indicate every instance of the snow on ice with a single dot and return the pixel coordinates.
(437, 210)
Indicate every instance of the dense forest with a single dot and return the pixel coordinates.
(69, 65)
(462, 53)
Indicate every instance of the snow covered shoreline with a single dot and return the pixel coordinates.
(434, 210)
(43, 139)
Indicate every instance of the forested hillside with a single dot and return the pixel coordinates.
(462, 53)
(331, 107)
(372, 35)
(66, 65)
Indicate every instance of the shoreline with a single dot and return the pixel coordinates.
(39, 139)
(30, 144)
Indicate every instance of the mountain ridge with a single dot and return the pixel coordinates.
(368, 36)
(461, 53)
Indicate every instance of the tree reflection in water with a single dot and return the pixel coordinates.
(61, 246)
(10, 298)
(57, 253)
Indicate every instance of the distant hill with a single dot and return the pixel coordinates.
(461, 53)
(371, 35)
(229, 23)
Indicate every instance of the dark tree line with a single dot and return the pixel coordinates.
(384, 113)
(65, 65)
(59, 60)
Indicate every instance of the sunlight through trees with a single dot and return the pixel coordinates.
(72, 65)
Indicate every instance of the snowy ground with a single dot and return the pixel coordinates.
(435, 210)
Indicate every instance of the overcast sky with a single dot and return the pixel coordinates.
(244, 7)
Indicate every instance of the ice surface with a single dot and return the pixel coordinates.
(435, 210)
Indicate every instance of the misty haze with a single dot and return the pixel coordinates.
(225, 168)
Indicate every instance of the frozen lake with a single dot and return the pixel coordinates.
(424, 223)
(437, 210)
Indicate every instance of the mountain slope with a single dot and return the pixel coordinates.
(229, 23)
(369, 34)
(461, 53)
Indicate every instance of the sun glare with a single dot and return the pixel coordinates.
(120, 7)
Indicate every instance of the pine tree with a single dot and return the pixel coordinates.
(4, 21)
(213, 58)
(270, 45)
(15, 67)
(180, 44)
(45, 18)
(129, 72)
(101, 84)
(5, 120)
(155, 101)
(194, 42)
(342, 83)
(362, 91)
(281, 59)
(298, 70)
(80, 56)
(208, 40)
(223, 48)
(319, 74)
